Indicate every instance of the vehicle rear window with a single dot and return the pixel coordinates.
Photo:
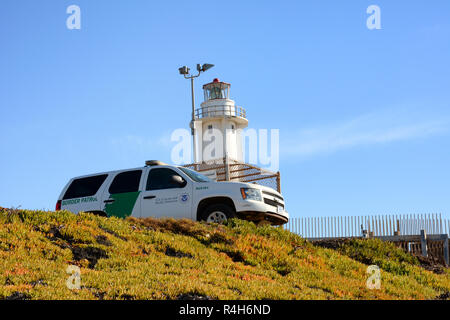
(84, 187)
(126, 182)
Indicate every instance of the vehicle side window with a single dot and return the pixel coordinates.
(84, 187)
(126, 182)
(162, 178)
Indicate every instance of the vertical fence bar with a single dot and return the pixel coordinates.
(415, 224)
(432, 223)
(321, 222)
(429, 231)
(379, 226)
(430, 228)
(346, 226)
(310, 235)
(310, 227)
(317, 227)
(390, 226)
(376, 226)
(408, 221)
(301, 227)
(340, 227)
(328, 227)
(354, 226)
(359, 226)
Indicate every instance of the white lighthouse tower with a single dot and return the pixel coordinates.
(218, 125)
(217, 131)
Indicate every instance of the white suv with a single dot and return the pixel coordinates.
(159, 190)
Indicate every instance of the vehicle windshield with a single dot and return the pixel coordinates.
(194, 175)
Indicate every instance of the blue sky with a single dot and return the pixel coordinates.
(364, 115)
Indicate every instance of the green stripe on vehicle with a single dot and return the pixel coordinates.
(123, 204)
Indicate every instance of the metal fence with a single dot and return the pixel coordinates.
(232, 170)
(380, 225)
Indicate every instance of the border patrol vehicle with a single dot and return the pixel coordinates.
(160, 190)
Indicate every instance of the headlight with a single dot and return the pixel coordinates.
(251, 194)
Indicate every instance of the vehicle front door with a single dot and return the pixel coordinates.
(166, 194)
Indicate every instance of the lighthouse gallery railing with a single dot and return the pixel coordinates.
(220, 111)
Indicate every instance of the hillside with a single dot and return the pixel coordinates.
(168, 259)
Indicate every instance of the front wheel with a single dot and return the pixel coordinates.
(218, 213)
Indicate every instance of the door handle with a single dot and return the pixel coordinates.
(149, 197)
(109, 201)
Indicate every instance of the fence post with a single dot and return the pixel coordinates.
(423, 242)
(227, 168)
(446, 252)
(278, 182)
(397, 233)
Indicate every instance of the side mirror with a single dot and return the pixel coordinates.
(178, 181)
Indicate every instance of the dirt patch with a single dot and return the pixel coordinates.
(92, 254)
(54, 233)
(283, 272)
(103, 240)
(18, 296)
(236, 256)
(183, 226)
(127, 297)
(217, 237)
(320, 288)
(193, 296)
(444, 296)
(331, 243)
(100, 295)
(113, 233)
(171, 252)
(39, 282)
(431, 264)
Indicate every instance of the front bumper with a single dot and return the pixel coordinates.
(258, 211)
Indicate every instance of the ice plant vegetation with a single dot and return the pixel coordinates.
(182, 259)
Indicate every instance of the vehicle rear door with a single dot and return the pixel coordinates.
(121, 198)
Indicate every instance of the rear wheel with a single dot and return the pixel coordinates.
(218, 213)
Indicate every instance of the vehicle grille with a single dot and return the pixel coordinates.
(274, 203)
(273, 195)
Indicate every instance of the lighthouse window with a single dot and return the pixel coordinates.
(216, 93)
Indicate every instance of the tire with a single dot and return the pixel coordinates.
(218, 213)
